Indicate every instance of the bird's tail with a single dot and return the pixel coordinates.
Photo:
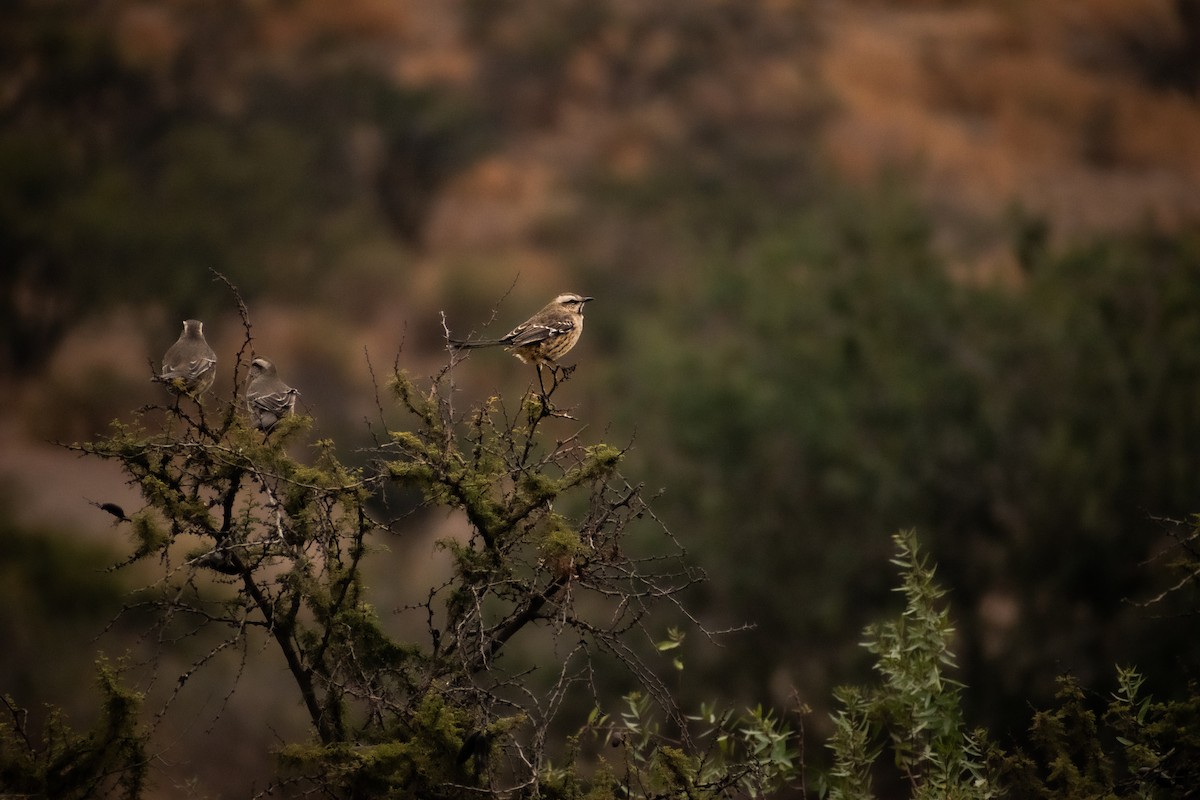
(461, 344)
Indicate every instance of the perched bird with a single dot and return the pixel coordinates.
(114, 509)
(219, 560)
(267, 397)
(543, 338)
(478, 746)
(188, 366)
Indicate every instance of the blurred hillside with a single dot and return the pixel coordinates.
(859, 266)
(345, 149)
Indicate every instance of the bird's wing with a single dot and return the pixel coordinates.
(188, 370)
(274, 401)
(534, 332)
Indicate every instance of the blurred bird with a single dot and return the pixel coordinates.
(477, 745)
(112, 508)
(543, 338)
(188, 366)
(267, 397)
(219, 560)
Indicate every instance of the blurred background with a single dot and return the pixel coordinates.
(859, 266)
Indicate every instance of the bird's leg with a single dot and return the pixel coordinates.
(542, 387)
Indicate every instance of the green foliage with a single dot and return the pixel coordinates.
(291, 535)
(1132, 747)
(110, 760)
(275, 548)
(756, 753)
(499, 475)
(723, 753)
(418, 756)
(256, 542)
(826, 376)
(915, 715)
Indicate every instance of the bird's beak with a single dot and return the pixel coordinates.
(588, 299)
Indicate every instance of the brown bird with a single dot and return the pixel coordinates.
(188, 367)
(543, 338)
(267, 397)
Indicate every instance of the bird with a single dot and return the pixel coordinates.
(478, 746)
(543, 338)
(267, 397)
(188, 367)
(114, 509)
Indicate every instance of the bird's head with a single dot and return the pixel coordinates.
(261, 366)
(572, 301)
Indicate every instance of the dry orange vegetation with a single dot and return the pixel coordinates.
(1036, 104)
(1071, 110)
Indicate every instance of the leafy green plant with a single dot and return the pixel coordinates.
(1130, 748)
(718, 753)
(915, 714)
(110, 760)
